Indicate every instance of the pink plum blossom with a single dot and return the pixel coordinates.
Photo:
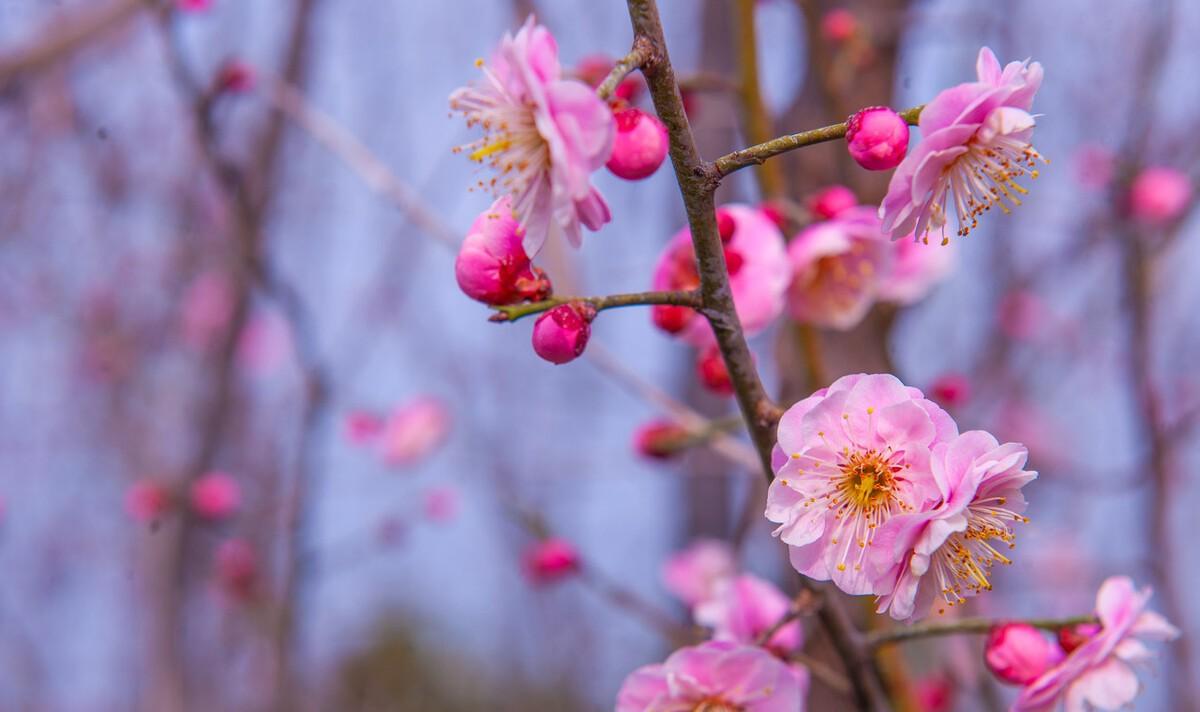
(640, 145)
(561, 334)
(492, 266)
(551, 560)
(413, 431)
(745, 607)
(542, 134)
(758, 272)
(1018, 653)
(1099, 674)
(147, 500)
(830, 202)
(1159, 194)
(851, 457)
(716, 675)
(440, 504)
(216, 495)
(877, 138)
(974, 147)
(917, 267)
(837, 266)
(957, 541)
(695, 574)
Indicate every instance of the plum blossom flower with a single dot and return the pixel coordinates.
(979, 483)
(1099, 674)
(849, 458)
(916, 268)
(974, 147)
(745, 607)
(758, 272)
(716, 675)
(413, 431)
(492, 266)
(543, 135)
(695, 573)
(837, 266)
(831, 201)
(1018, 653)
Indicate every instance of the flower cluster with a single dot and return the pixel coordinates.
(875, 488)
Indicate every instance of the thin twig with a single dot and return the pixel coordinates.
(965, 626)
(513, 312)
(628, 64)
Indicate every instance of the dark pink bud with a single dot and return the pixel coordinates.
(237, 569)
(733, 261)
(726, 225)
(1072, 637)
(234, 76)
(640, 145)
(933, 694)
(216, 496)
(1018, 653)
(774, 212)
(1159, 195)
(712, 372)
(551, 560)
(660, 439)
(363, 426)
(952, 389)
(147, 500)
(671, 319)
(839, 25)
(561, 334)
(830, 202)
(492, 266)
(193, 5)
(877, 138)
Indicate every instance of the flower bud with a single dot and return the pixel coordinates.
(216, 495)
(441, 503)
(877, 138)
(492, 266)
(828, 203)
(414, 431)
(951, 389)
(1072, 637)
(671, 319)
(561, 334)
(235, 77)
(362, 426)
(839, 25)
(193, 5)
(640, 145)
(237, 569)
(726, 225)
(147, 500)
(551, 560)
(1159, 195)
(1018, 653)
(660, 439)
(713, 374)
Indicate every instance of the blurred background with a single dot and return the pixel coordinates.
(257, 450)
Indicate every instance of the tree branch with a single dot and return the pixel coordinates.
(965, 626)
(513, 312)
(759, 153)
(637, 57)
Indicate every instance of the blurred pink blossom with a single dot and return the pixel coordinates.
(544, 136)
(265, 343)
(716, 675)
(1018, 653)
(194, 5)
(1099, 673)
(147, 500)
(362, 426)
(551, 560)
(413, 431)
(695, 573)
(933, 693)
(1159, 194)
(441, 503)
(216, 495)
(1023, 315)
(745, 607)
(952, 390)
(836, 269)
(235, 76)
(207, 306)
(710, 367)
(831, 201)
(917, 267)
(839, 25)
(237, 569)
(975, 144)
(758, 272)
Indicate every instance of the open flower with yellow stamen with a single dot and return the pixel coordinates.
(543, 136)
(975, 147)
(957, 542)
(849, 459)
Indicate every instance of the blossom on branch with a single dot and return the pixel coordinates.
(695, 574)
(745, 607)
(975, 145)
(542, 134)
(837, 267)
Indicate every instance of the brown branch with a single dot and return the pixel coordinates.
(965, 626)
(513, 312)
(755, 155)
(696, 185)
(628, 64)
